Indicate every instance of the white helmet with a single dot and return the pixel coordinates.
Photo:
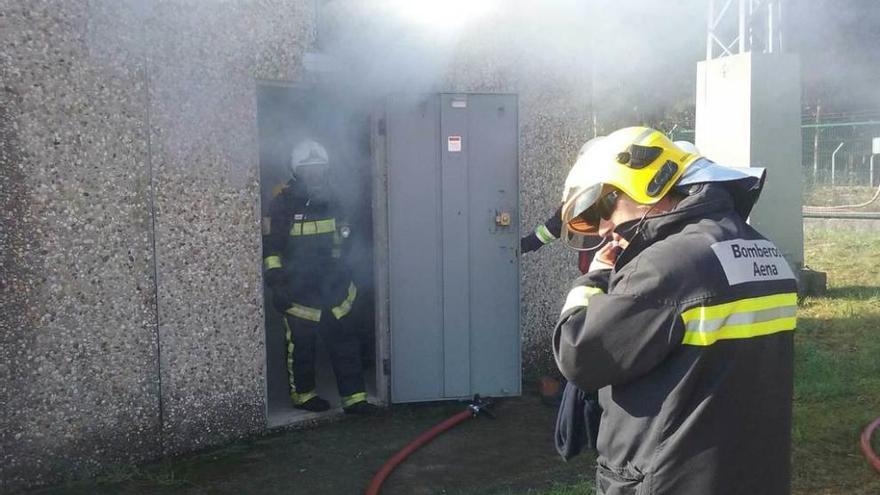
(308, 152)
(687, 146)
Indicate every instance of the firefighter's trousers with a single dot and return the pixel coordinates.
(342, 345)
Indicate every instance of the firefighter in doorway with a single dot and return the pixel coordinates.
(311, 282)
(684, 322)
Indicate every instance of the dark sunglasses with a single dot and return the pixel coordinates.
(588, 221)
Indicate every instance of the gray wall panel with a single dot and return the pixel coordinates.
(456, 211)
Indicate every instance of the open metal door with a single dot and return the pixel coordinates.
(452, 178)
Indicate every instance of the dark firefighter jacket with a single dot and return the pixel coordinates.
(689, 341)
(305, 238)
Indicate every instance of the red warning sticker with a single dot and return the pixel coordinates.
(453, 144)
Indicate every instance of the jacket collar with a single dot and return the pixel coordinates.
(701, 201)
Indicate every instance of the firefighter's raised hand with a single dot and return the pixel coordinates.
(530, 243)
(607, 254)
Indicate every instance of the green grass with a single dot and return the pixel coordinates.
(837, 365)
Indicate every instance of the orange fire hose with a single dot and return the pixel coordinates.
(866, 444)
(473, 410)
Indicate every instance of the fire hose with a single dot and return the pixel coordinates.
(872, 456)
(473, 410)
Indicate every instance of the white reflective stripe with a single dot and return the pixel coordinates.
(716, 324)
(543, 234)
(579, 297)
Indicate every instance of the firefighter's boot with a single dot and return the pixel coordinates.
(310, 402)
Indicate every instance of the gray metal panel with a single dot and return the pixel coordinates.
(453, 271)
(456, 256)
(494, 268)
(412, 130)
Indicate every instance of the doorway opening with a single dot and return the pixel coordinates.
(288, 115)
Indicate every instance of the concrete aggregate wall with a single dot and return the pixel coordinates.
(204, 64)
(78, 292)
(131, 311)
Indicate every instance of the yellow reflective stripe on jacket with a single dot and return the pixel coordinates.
(350, 400)
(345, 306)
(313, 228)
(543, 234)
(579, 297)
(304, 312)
(271, 262)
(743, 319)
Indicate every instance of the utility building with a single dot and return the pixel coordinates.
(141, 142)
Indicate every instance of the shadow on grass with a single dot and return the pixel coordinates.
(855, 292)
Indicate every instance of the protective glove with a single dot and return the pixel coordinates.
(275, 277)
(281, 299)
(530, 243)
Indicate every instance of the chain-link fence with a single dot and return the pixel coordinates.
(837, 152)
(840, 153)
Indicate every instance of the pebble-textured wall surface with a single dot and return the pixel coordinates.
(131, 312)
(77, 293)
(204, 63)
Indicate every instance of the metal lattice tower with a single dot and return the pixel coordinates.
(754, 26)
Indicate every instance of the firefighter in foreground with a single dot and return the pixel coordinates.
(684, 322)
(311, 283)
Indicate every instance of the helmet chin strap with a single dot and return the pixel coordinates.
(637, 226)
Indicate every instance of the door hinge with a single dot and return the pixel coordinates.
(386, 367)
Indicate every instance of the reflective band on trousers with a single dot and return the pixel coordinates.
(291, 380)
(544, 235)
(300, 399)
(304, 312)
(345, 306)
(579, 297)
(350, 400)
(312, 228)
(272, 262)
(743, 319)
